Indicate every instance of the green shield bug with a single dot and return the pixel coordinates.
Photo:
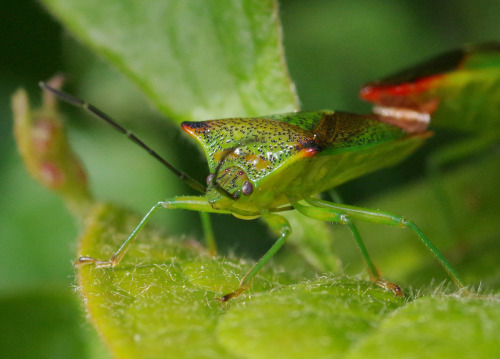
(259, 167)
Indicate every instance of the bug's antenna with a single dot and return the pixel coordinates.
(191, 182)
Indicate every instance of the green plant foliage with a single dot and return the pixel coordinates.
(162, 299)
(437, 327)
(196, 59)
(314, 319)
(210, 59)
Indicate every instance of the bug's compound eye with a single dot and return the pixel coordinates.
(209, 178)
(247, 188)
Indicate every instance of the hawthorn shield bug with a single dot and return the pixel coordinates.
(259, 167)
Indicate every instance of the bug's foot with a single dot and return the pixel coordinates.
(232, 295)
(389, 286)
(90, 260)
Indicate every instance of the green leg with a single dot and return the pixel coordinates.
(186, 202)
(327, 211)
(209, 233)
(372, 270)
(278, 224)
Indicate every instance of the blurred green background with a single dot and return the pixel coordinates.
(332, 48)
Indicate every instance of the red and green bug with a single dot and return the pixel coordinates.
(259, 167)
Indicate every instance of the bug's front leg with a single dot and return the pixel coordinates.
(279, 225)
(117, 257)
(195, 203)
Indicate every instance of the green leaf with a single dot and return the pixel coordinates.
(200, 60)
(161, 298)
(195, 60)
(130, 305)
(437, 327)
(314, 319)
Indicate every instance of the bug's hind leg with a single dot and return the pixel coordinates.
(324, 214)
(370, 267)
(340, 213)
(372, 270)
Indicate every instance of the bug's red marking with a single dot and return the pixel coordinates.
(190, 125)
(309, 152)
(380, 92)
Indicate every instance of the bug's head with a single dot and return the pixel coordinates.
(232, 182)
(227, 182)
(226, 186)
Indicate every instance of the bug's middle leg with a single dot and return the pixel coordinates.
(208, 233)
(278, 224)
